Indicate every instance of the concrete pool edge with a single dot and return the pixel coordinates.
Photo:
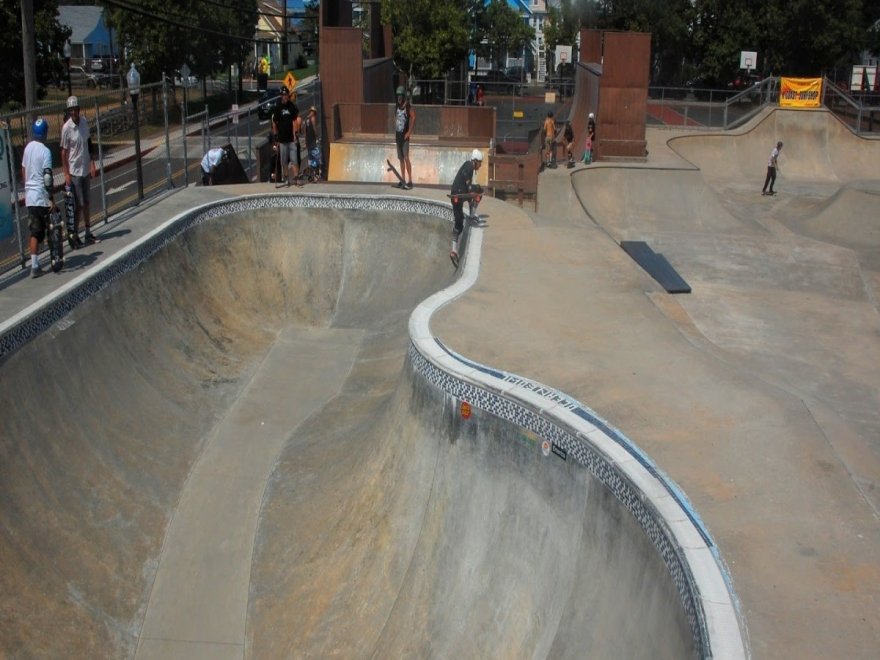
(658, 505)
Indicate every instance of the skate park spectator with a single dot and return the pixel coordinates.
(772, 166)
(36, 172)
(210, 162)
(78, 167)
(461, 185)
(568, 142)
(588, 144)
(313, 146)
(283, 133)
(404, 123)
(549, 130)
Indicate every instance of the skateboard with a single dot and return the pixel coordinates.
(569, 164)
(769, 193)
(70, 213)
(55, 239)
(391, 168)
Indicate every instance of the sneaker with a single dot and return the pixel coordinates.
(408, 186)
(36, 272)
(401, 185)
(91, 239)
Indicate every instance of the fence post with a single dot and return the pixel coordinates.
(167, 132)
(185, 161)
(101, 161)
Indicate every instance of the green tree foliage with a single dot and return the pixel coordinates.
(791, 37)
(50, 38)
(505, 32)
(430, 36)
(160, 35)
(564, 22)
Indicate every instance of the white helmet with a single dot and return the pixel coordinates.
(72, 102)
(476, 154)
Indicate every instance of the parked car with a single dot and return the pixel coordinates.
(79, 77)
(97, 64)
(270, 98)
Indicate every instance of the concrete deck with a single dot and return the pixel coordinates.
(758, 394)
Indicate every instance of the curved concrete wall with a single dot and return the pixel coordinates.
(519, 571)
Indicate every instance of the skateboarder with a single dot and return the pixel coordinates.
(404, 123)
(78, 166)
(36, 172)
(772, 166)
(461, 185)
(568, 143)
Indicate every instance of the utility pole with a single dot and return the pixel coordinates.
(29, 48)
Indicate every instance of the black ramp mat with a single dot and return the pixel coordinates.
(656, 265)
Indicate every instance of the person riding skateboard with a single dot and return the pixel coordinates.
(461, 186)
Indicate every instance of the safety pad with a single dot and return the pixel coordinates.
(656, 265)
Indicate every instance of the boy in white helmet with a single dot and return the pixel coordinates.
(78, 166)
(462, 185)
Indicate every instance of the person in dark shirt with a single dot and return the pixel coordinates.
(462, 185)
(283, 117)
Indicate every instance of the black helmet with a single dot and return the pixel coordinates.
(284, 90)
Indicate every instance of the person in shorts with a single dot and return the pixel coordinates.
(36, 172)
(313, 147)
(404, 123)
(283, 119)
(79, 168)
(461, 185)
(549, 139)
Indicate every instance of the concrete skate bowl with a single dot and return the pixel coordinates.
(818, 148)
(249, 454)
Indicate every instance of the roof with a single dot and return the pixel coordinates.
(82, 21)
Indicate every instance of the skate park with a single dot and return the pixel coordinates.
(755, 395)
(254, 423)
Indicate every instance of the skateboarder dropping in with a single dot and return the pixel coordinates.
(461, 186)
(404, 123)
(36, 172)
(772, 165)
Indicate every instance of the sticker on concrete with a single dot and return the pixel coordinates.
(559, 451)
(545, 447)
(465, 410)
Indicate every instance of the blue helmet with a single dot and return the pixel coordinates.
(41, 129)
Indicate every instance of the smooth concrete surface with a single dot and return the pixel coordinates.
(274, 481)
(757, 394)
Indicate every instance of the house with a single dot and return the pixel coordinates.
(91, 38)
(269, 33)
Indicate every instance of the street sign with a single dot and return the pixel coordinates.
(290, 81)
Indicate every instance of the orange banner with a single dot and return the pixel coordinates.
(800, 92)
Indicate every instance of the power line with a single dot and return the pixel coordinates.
(181, 22)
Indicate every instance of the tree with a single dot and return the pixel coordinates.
(505, 31)
(430, 36)
(562, 25)
(50, 38)
(160, 35)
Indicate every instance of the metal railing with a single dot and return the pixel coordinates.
(175, 132)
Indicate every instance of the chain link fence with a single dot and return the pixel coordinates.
(176, 126)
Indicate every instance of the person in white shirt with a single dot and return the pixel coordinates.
(772, 164)
(78, 166)
(36, 172)
(209, 164)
